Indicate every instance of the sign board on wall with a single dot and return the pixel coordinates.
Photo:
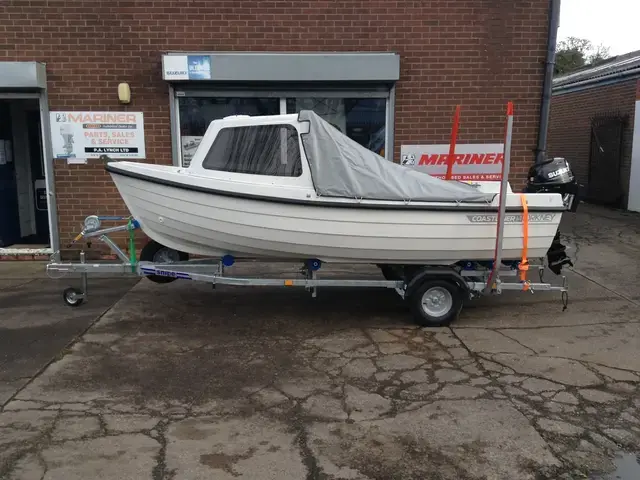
(40, 188)
(472, 162)
(186, 67)
(189, 147)
(93, 134)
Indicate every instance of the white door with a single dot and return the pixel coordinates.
(634, 180)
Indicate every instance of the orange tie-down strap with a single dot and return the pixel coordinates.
(524, 263)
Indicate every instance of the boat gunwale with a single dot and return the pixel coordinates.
(464, 207)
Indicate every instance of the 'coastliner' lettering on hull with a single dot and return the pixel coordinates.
(512, 218)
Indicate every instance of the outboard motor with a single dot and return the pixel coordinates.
(555, 176)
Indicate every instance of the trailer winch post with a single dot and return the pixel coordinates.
(131, 226)
(494, 276)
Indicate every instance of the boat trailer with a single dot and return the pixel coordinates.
(435, 293)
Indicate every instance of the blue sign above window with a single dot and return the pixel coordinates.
(199, 67)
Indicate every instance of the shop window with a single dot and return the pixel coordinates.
(258, 150)
(196, 113)
(361, 119)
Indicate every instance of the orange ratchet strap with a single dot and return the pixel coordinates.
(524, 264)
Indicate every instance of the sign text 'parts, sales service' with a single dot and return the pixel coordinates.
(93, 134)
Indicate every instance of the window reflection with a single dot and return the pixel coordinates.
(361, 119)
(196, 113)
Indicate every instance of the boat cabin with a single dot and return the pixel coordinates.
(264, 148)
(305, 151)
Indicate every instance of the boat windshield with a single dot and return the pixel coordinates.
(257, 150)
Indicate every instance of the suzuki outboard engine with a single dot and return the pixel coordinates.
(555, 176)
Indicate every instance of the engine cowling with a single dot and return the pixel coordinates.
(554, 176)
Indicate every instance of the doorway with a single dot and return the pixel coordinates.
(605, 161)
(24, 216)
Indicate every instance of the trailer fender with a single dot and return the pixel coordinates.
(431, 273)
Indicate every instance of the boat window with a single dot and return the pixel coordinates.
(258, 150)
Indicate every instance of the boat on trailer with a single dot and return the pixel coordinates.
(293, 187)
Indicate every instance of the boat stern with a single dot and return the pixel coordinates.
(555, 176)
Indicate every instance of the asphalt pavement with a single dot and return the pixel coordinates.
(181, 381)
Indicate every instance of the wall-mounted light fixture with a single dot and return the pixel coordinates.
(124, 93)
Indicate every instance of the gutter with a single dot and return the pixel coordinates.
(603, 79)
(545, 108)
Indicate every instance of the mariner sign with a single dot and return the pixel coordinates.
(82, 135)
(471, 162)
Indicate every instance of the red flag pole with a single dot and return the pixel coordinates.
(452, 143)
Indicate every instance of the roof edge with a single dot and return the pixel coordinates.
(609, 68)
(591, 83)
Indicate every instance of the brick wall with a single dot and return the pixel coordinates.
(570, 125)
(480, 53)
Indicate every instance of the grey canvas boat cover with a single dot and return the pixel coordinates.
(341, 167)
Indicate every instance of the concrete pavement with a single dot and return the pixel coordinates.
(182, 382)
(34, 323)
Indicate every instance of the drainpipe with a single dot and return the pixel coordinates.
(554, 22)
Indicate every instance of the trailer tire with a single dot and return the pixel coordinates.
(436, 303)
(155, 252)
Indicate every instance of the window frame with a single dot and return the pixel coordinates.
(286, 126)
(281, 91)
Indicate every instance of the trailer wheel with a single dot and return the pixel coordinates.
(72, 297)
(157, 253)
(436, 303)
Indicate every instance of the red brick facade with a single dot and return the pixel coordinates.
(478, 53)
(570, 125)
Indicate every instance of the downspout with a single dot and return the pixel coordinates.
(554, 22)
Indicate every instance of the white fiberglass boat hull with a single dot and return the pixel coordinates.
(214, 217)
(294, 187)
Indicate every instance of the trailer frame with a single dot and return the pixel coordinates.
(452, 284)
